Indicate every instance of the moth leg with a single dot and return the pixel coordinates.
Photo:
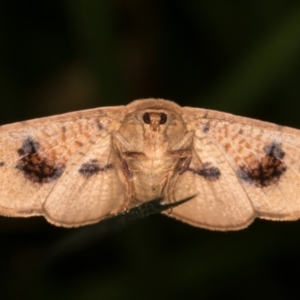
(125, 152)
(182, 151)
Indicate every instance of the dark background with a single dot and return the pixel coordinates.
(237, 56)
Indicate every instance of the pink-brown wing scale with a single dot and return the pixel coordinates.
(259, 171)
(37, 155)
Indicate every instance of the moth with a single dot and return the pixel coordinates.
(81, 167)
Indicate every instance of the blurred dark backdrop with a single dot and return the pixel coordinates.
(238, 56)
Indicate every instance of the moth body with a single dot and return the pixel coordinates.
(147, 157)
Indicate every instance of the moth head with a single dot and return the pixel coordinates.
(155, 119)
(161, 122)
(154, 116)
(150, 125)
(152, 121)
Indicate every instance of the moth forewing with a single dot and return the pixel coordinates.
(220, 202)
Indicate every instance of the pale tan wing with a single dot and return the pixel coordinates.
(89, 189)
(220, 202)
(35, 154)
(263, 158)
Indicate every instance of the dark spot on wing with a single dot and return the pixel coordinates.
(100, 126)
(92, 167)
(268, 170)
(2, 163)
(206, 127)
(207, 171)
(28, 146)
(34, 167)
(275, 150)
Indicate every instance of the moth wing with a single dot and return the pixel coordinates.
(263, 157)
(34, 154)
(89, 189)
(220, 202)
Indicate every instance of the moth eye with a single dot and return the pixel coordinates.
(146, 118)
(163, 118)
